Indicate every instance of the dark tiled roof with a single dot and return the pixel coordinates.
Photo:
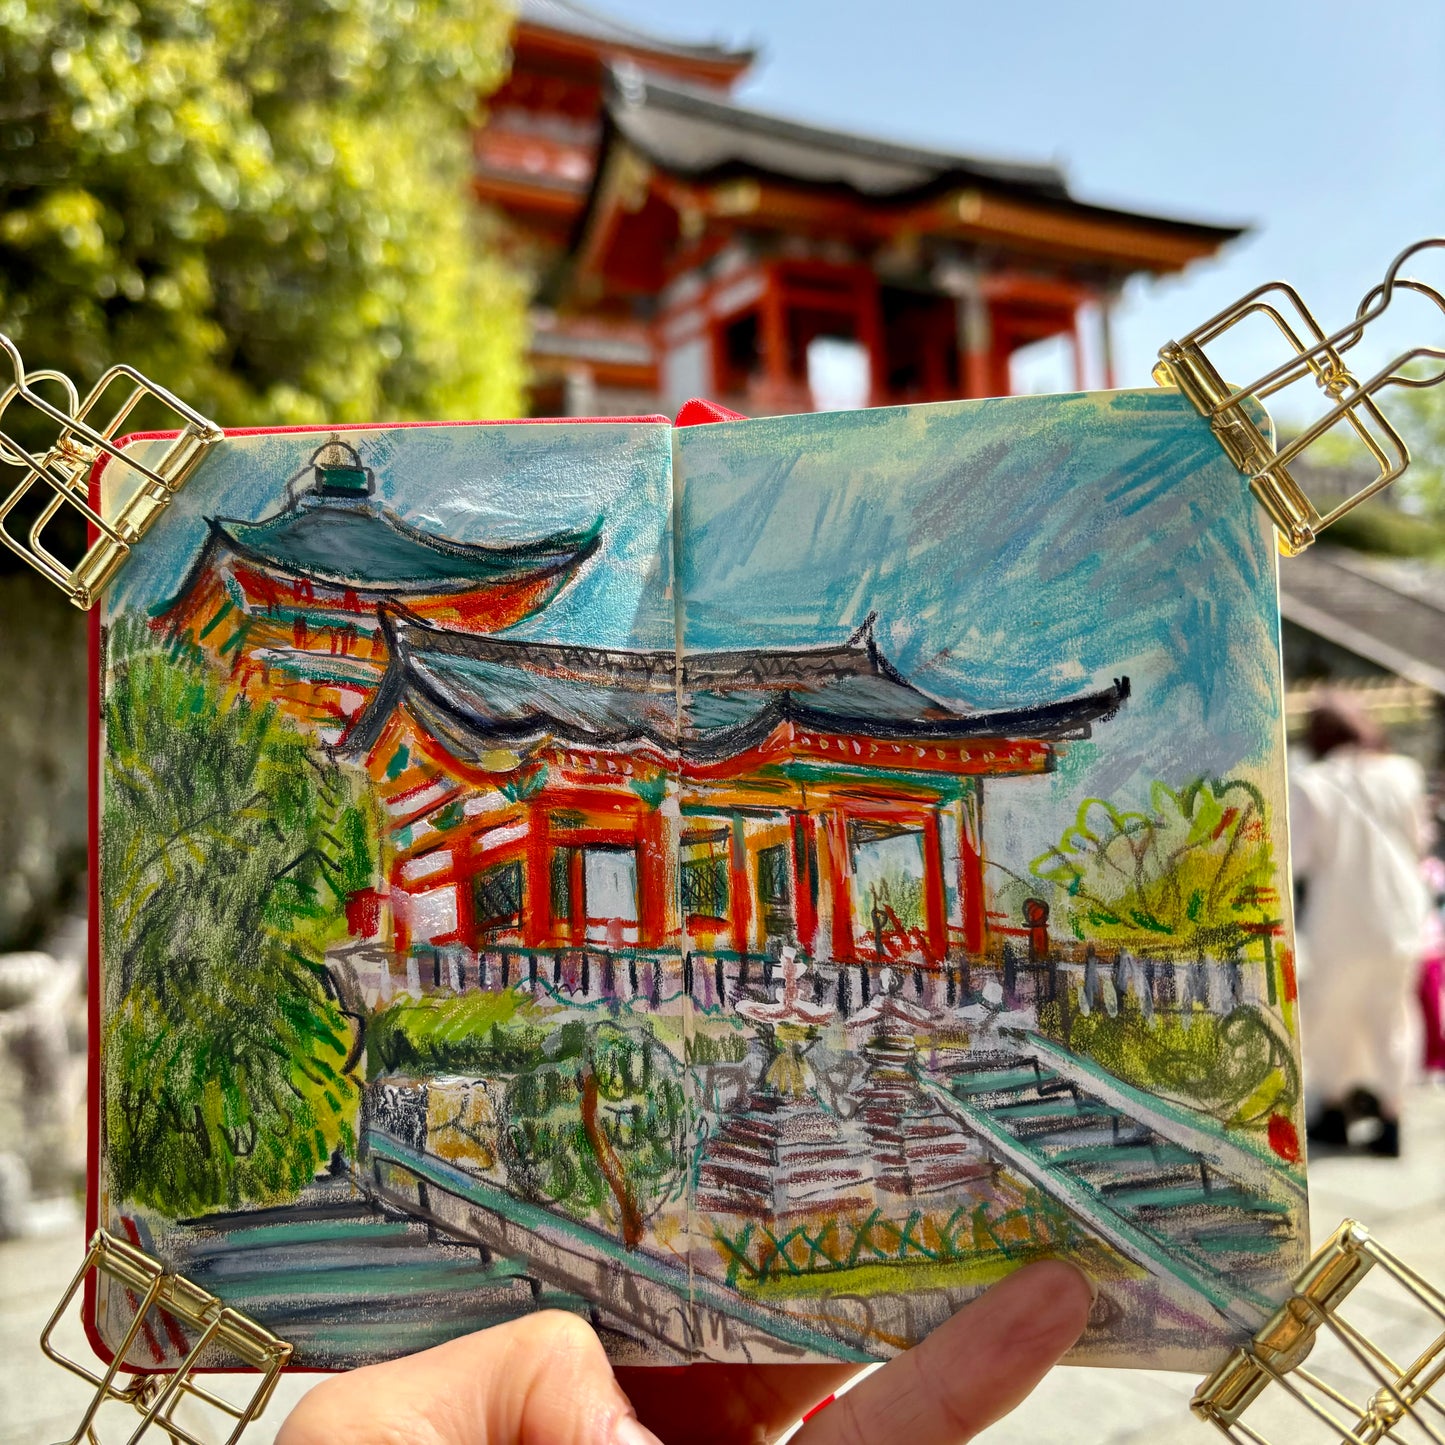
(697, 133)
(573, 19)
(1390, 613)
(368, 548)
(476, 694)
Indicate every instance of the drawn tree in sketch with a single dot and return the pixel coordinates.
(1190, 875)
(600, 1127)
(228, 851)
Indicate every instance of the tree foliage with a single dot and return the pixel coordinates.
(600, 1126)
(228, 850)
(264, 206)
(1193, 873)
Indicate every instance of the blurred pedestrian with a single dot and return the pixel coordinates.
(1431, 988)
(1357, 831)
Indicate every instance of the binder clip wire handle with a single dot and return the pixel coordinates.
(83, 431)
(1184, 364)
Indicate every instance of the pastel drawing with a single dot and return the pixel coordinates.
(750, 885)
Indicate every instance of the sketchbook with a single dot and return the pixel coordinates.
(751, 883)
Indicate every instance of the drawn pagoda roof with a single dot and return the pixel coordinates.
(370, 549)
(569, 18)
(695, 132)
(333, 531)
(478, 693)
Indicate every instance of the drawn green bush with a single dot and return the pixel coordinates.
(229, 847)
(600, 1128)
(484, 1033)
(1239, 1068)
(1193, 874)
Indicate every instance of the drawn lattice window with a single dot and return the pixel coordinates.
(499, 896)
(562, 884)
(705, 875)
(775, 888)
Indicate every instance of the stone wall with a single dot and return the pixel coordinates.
(42, 757)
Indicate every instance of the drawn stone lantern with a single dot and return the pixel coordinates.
(783, 1153)
(917, 1147)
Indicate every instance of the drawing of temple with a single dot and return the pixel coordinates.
(289, 604)
(542, 796)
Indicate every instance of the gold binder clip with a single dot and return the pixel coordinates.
(60, 476)
(1397, 1405)
(1185, 365)
(172, 1305)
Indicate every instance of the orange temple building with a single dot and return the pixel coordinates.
(541, 796)
(686, 245)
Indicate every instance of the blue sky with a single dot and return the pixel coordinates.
(1320, 124)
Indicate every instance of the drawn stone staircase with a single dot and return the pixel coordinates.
(1170, 1191)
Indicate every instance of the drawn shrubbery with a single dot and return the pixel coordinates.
(229, 848)
(1190, 876)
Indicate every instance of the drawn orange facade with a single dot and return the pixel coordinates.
(290, 604)
(543, 796)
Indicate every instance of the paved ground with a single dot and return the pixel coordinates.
(1403, 1203)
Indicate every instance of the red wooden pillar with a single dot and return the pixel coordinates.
(740, 892)
(576, 894)
(976, 335)
(774, 336)
(970, 873)
(805, 880)
(654, 911)
(935, 900)
(1106, 340)
(840, 885)
(537, 879)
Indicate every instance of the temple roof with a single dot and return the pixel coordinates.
(570, 18)
(365, 547)
(700, 134)
(476, 694)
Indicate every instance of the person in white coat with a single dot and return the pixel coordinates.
(1357, 830)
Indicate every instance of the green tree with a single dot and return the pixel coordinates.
(600, 1127)
(264, 206)
(1191, 873)
(228, 849)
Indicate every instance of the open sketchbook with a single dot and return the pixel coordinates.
(752, 884)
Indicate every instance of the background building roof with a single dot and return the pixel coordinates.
(699, 133)
(569, 18)
(1387, 611)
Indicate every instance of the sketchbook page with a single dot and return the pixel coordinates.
(984, 872)
(393, 1031)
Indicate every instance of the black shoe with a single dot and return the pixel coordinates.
(1329, 1129)
(1363, 1104)
(1386, 1144)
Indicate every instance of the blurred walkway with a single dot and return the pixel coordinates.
(1402, 1201)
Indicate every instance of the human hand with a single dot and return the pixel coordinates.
(544, 1380)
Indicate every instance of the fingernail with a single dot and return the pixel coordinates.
(629, 1430)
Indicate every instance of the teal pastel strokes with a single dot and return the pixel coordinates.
(1016, 551)
(466, 496)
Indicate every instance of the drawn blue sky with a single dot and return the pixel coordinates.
(494, 484)
(1016, 552)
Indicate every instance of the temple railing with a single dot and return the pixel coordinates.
(1081, 980)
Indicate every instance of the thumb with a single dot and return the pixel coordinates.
(542, 1378)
